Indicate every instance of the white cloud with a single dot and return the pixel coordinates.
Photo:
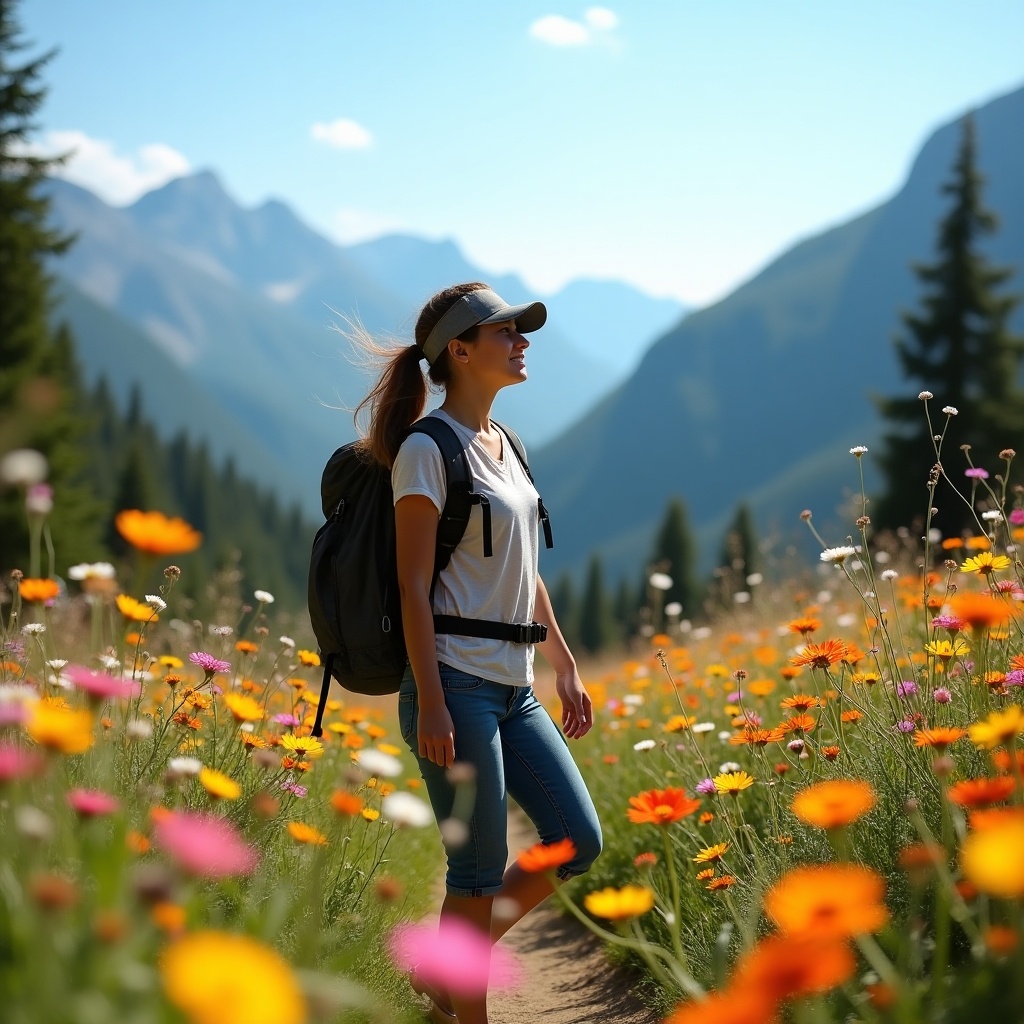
(352, 225)
(342, 134)
(118, 179)
(556, 30)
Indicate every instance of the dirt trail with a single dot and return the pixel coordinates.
(567, 978)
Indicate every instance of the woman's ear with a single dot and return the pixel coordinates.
(457, 350)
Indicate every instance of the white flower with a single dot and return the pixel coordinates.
(846, 620)
(221, 630)
(995, 516)
(889, 574)
(405, 809)
(454, 832)
(109, 662)
(724, 736)
(21, 693)
(859, 450)
(741, 597)
(644, 745)
(838, 555)
(92, 570)
(702, 633)
(925, 395)
(673, 608)
(728, 766)
(23, 467)
(57, 663)
(286, 641)
(633, 698)
(184, 767)
(755, 579)
(881, 557)
(32, 822)
(951, 410)
(702, 727)
(156, 602)
(263, 596)
(39, 500)
(247, 727)
(660, 580)
(376, 762)
(139, 729)
(33, 628)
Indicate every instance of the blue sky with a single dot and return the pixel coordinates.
(675, 144)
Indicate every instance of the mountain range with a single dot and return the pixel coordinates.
(224, 316)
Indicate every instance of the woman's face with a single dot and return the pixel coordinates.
(498, 353)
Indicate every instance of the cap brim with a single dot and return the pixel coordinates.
(529, 316)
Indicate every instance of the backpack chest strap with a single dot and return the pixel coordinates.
(513, 632)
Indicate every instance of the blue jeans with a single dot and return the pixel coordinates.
(516, 750)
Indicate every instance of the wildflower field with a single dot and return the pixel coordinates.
(812, 805)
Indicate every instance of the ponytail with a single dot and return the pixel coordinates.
(399, 397)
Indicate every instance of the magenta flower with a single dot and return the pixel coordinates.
(208, 663)
(905, 726)
(17, 762)
(91, 803)
(285, 719)
(906, 689)
(951, 622)
(13, 712)
(1017, 517)
(454, 956)
(706, 787)
(204, 845)
(1014, 678)
(294, 788)
(976, 473)
(942, 695)
(100, 686)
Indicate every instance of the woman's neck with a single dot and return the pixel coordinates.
(471, 410)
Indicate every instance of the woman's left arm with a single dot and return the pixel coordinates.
(577, 710)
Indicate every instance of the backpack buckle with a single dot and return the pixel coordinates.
(529, 632)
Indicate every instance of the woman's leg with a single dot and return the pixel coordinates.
(543, 778)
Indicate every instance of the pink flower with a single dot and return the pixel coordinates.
(706, 787)
(976, 473)
(17, 762)
(91, 803)
(205, 845)
(942, 695)
(100, 686)
(13, 713)
(208, 663)
(454, 956)
(1017, 517)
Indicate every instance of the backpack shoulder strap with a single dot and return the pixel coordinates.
(517, 447)
(459, 497)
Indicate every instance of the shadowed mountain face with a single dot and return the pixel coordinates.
(243, 302)
(743, 400)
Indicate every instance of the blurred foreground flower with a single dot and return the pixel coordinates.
(37, 591)
(834, 803)
(620, 904)
(157, 534)
(661, 806)
(204, 845)
(219, 978)
(829, 901)
(98, 685)
(60, 729)
(546, 856)
(993, 857)
(453, 956)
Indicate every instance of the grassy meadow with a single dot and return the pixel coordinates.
(812, 804)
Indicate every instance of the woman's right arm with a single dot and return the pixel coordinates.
(415, 537)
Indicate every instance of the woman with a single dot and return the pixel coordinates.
(469, 700)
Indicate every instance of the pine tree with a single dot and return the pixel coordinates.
(958, 348)
(39, 406)
(564, 605)
(739, 546)
(674, 554)
(594, 627)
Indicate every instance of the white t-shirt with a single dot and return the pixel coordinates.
(501, 588)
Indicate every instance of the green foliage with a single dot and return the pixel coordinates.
(38, 408)
(959, 348)
(565, 605)
(595, 627)
(738, 557)
(674, 554)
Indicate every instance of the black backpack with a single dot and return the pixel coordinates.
(353, 597)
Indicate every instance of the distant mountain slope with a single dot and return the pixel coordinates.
(778, 374)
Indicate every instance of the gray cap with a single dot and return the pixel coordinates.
(481, 307)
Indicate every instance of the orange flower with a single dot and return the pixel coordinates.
(921, 857)
(157, 534)
(822, 655)
(546, 856)
(781, 967)
(798, 724)
(835, 803)
(980, 611)
(722, 882)
(830, 901)
(1001, 940)
(729, 1007)
(758, 737)
(1003, 762)
(851, 716)
(939, 738)
(346, 803)
(981, 792)
(830, 753)
(703, 876)
(246, 646)
(36, 591)
(952, 543)
(804, 625)
(661, 806)
(800, 702)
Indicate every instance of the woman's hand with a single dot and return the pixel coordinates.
(436, 734)
(577, 709)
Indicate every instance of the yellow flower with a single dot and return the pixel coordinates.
(308, 658)
(219, 785)
(370, 814)
(733, 782)
(620, 904)
(711, 853)
(135, 611)
(678, 723)
(155, 533)
(993, 858)
(1000, 727)
(947, 649)
(60, 729)
(985, 563)
(302, 746)
(303, 833)
(219, 978)
(170, 661)
(243, 707)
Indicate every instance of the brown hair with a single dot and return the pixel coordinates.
(399, 397)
